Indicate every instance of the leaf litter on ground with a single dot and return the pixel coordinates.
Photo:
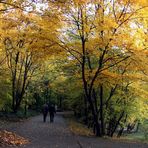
(10, 138)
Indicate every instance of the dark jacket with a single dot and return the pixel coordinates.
(45, 109)
(52, 109)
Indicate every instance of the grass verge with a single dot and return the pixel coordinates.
(76, 127)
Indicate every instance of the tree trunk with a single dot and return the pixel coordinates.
(137, 127)
(117, 123)
(120, 132)
(97, 128)
(86, 110)
(101, 110)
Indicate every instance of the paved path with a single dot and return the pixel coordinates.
(57, 135)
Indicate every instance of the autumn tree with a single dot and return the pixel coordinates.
(100, 35)
(101, 47)
(27, 42)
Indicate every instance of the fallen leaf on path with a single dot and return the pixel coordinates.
(10, 138)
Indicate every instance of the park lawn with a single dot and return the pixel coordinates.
(141, 135)
(78, 128)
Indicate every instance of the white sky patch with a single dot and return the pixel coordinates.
(39, 7)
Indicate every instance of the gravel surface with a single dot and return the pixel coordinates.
(57, 135)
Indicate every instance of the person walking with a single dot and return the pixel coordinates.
(52, 112)
(45, 111)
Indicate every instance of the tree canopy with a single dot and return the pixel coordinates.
(89, 56)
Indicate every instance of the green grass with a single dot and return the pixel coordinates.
(80, 129)
(18, 116)
(30, 113)
(141, 135)
(135, 136)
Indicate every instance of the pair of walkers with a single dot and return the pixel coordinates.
(51, 110)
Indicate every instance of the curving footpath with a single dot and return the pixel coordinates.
(57, 135)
